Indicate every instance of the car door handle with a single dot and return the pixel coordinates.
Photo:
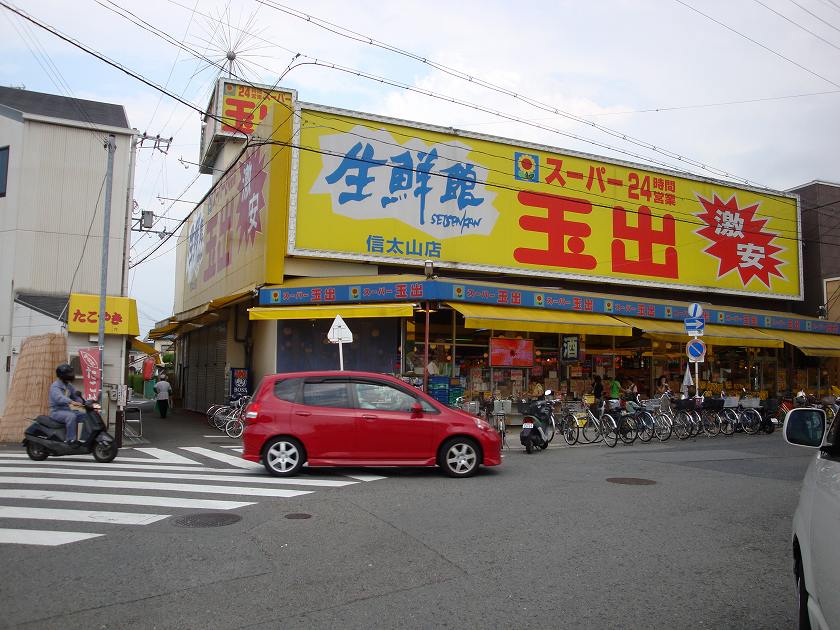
(369, 416)
(302, 413)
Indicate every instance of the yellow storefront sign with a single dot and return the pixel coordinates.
(120, 315)
(374, 190)
(222, 249)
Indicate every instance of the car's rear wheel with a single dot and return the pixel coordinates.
(284, 456)
(459, 457)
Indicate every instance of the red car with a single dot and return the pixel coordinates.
(360, 419)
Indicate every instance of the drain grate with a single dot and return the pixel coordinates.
(206, 519)
(298, 515)
(631, 481)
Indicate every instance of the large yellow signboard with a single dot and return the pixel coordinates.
(222, 247)
(372, 189)
(120, 315)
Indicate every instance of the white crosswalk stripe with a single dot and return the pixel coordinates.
(161, 478)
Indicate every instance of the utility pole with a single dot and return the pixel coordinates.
(111, 146)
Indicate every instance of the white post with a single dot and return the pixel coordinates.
(340, 356)
(697, 378)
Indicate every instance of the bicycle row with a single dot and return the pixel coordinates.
(626, 421)
(229, 418)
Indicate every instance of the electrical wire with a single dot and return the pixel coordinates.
(757, 43)
(798, 25)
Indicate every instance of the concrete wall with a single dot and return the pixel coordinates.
(51, 219)
(820, 226)
(265, 349)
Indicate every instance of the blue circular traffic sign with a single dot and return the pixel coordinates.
(695, 310)
(696, 350)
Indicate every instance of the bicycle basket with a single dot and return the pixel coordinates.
(730, 402)
(750, 403)
(685, 403)
(714, 404)
(613, 403)
(652, 405)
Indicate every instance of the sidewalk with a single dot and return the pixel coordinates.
(179, 428)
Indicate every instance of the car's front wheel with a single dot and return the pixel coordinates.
(803, 619)
(459, 457)
(284, 456)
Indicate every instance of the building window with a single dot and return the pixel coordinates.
(4, 169)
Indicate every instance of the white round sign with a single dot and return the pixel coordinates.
(695, 310)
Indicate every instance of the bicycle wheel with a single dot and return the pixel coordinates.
(646, 424)
(682, 424)
(751, 420)
(628, 430)
(550, 430)
(235, 427)
(569, 428)
(221, 416)
(591, 430)
(663, 427)
(211, 412)
(711, 423)
(609, 430)
(727, 422)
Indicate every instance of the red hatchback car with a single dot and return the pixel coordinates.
(360, 419)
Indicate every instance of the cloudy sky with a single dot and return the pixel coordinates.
(751, 89)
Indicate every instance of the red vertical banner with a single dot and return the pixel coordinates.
(89, 360)
(148, 369)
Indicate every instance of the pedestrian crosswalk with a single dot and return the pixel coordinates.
(65, 493)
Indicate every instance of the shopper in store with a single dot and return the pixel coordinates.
(630, 391)
(597, 389)
(615, 388)
(662, 386)
(537, 390)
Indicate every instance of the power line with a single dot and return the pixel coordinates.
(757, 43)
(355, 36)
(154, 86)
(798, 25)
(812, 14)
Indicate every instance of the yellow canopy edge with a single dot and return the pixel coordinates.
(141, 346)
(329, 311)
(812, 344)
(713, 335)
(539, 320)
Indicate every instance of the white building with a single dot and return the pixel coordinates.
(52, 194)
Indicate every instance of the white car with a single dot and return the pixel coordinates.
(816, 522)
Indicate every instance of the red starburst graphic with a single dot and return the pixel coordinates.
(739, 240)
(251, 199)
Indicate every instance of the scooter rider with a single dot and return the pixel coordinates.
(62, 393)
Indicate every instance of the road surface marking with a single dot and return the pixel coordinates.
(82, 516)
(41, 537)
(325, 483)
(120, 499)
(150, 485)
(231, 460)
(167, 457)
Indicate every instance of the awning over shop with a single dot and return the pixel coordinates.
(163, 330)
(713, 335)
(811, 344)
(146, 348)
(539, 320)
(329, 311)
(229, 299)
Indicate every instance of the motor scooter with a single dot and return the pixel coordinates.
(45, 438)
(538, 425)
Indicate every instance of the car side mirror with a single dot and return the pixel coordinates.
(805, 427)
(417, 410)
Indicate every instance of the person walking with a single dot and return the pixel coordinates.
(163, 389)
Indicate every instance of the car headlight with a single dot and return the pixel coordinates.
(482, 425)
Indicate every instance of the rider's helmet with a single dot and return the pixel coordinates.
(65, 372)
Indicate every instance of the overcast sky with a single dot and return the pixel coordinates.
(752, 88)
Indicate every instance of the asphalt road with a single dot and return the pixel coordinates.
(541, 541)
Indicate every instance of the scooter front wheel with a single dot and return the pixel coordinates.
(36, 452)
(105, 452)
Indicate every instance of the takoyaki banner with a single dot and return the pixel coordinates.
(386, 191)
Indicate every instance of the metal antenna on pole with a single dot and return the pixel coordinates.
(111, 146)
